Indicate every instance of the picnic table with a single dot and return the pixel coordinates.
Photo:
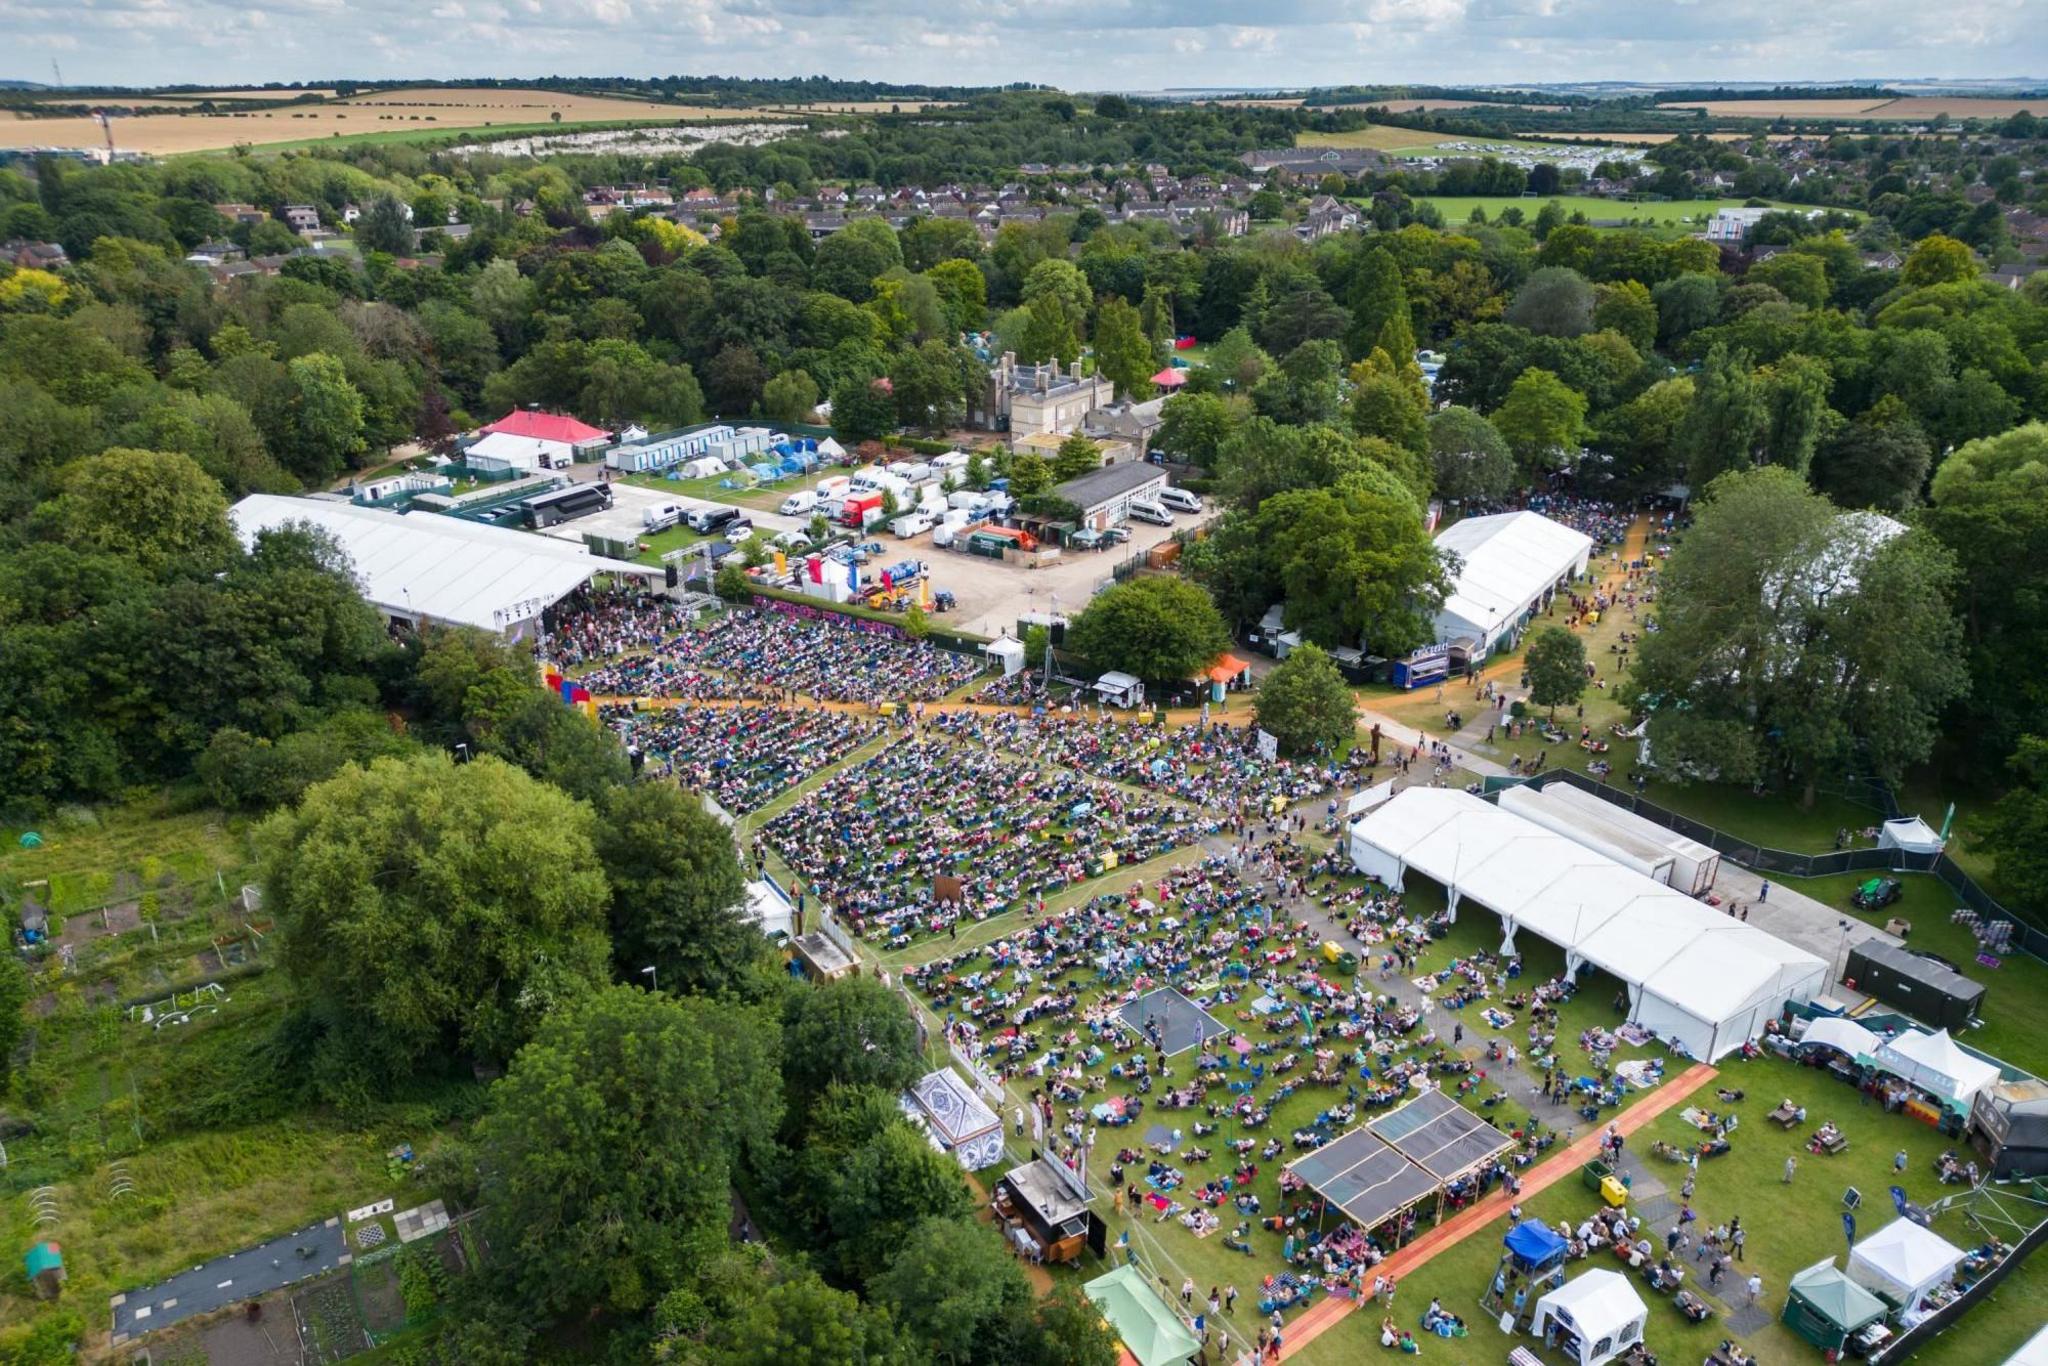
(1828, 1139)
(1786, 1116)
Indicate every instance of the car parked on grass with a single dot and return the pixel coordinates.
(1877, 893)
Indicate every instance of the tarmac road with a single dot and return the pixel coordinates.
(244, 1275)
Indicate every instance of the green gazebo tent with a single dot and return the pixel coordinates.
(1827, 1308)
(1145, 1324)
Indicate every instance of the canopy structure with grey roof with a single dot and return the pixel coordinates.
(1401, 1159)
(1440, 1136)
(421, 567)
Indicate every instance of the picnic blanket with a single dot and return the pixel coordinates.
(1641, 1073)
(1266, 1005)
(1424, 984)
(1498, 1018)
(1634, 1034)
(1159, 1203)
(1113, 1108)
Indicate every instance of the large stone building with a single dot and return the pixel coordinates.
(1026, 400)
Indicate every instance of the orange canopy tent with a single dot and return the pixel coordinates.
(1170, 378)
(1228, 669)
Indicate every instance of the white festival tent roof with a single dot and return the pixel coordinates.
(1507, 562)
(1697, 977)
(1602, 1309)
(425, 566)
(1902, 1260)
(1933, 1063)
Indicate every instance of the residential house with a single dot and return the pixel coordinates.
(1125, 423)
(27, 255)
(241, 213)
(1326, 215)
(305, 218)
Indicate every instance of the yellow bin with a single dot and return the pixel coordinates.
(1613, 1192)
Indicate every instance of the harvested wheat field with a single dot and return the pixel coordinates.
(421, 111)
(1959, 107)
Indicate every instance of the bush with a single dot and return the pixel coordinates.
(1518, 709)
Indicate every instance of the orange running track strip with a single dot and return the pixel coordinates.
(1321, 1317)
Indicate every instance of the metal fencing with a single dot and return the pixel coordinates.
(2026, 934)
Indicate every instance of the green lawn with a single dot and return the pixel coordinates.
(1678, 213)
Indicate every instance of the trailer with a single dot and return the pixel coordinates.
(1591, 829)
(1695, 866)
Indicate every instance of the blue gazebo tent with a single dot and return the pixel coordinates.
(1535, 1247)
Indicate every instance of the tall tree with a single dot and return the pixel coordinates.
(1796, 413)
(1794, 641)
(159, 509)
(1160, 630)
(852, 1032)
(1305, 703)
(1470, 457)
(1123, 353)
(1543, 420)
(1553, 302)
(1989, 506)
(608, 1151)
(1879, 460)
(430, 911)
(1556, 665)
(676, 891)
(1727, 421)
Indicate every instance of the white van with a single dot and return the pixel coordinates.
(1180, 500)
(834, 486)
(661, 517)
(1151, 512)
(799, 503)
(951, 460)
(967, 498)
(912, 524)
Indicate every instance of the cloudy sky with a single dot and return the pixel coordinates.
(1076, 44)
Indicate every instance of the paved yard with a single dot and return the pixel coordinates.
(231, 1279)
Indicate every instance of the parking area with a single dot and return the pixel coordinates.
(992, 594)
(625, 520)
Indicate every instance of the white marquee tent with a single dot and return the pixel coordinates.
(1903, 1261)
(1933, 1063)
(1508, 565)
(423, 566)
(1704, 981)
(1600, 1311)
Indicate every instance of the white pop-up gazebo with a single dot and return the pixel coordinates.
(1599, 1312)
(1903, 1261)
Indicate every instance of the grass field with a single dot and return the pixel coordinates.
(426, 111)
(1676, 213)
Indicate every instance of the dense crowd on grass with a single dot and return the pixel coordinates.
(871, 840)
(1216, 767)
(744, 757)
(1317, 1027)
(766, 656)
